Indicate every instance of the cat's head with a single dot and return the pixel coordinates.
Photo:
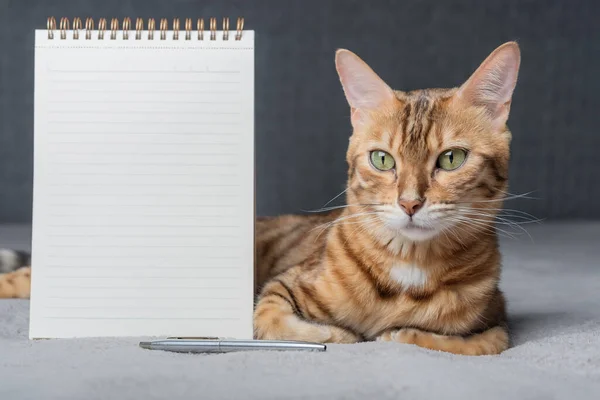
(428, 159)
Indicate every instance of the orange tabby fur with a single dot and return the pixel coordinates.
(352, 275)
(328, 277)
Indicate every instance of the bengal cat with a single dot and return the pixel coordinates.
(413, 256)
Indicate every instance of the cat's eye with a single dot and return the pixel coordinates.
(382, 160)
(451, 159)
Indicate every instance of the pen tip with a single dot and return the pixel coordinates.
(145, 345)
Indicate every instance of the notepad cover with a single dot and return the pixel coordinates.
(143, 207)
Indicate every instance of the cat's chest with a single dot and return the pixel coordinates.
(408, 294)
(407, 277)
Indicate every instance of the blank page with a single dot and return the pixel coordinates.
(143, 208)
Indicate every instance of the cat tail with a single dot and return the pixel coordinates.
(489, 342)
(11, 260)
(15, 274)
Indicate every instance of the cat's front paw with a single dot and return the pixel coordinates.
(293, 328)
(341, 335)
(403, 335)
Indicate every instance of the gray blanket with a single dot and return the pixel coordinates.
(552, 284)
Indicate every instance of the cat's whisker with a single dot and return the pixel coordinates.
(318, 210)
(333, 199)
(514, 225)
(488, 232)
(482, 225)
(501, 217)
(355, 215)
(503, 212)
(340, 219)
(445, 231)
(495, 223)
(519, 219)
(366, 224)
(349, 222)
(446, 235)
(522, 219)
(510, 209)
(517, 196)
(451, 230)
(363, 225)
(501, 221)
(463, 223)
(494, 230)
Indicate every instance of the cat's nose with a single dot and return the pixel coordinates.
(410, 206)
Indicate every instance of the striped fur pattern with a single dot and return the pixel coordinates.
(372, 270)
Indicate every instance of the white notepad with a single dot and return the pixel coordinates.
(143, 206)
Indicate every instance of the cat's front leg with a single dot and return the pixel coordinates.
(491, 341)
(279, 315)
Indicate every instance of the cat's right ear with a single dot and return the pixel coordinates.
(364, 89)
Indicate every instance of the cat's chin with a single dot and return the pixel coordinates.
(412, 231)
(418, 233)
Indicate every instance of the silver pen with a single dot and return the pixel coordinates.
(218, 345)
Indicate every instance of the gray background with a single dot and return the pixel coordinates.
(302, 124)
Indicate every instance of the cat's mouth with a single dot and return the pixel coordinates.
(417, 228)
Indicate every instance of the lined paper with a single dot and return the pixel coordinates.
(143, 209)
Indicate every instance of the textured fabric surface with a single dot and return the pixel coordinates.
(553, 288)
(302, 118)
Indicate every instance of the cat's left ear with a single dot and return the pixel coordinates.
(491, 86)
(364, 89)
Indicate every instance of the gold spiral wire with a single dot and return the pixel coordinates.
(239, 29)
(151, 28)
(188, 29)
(225, 28)
(101, 28)
(63, 27)
(213, 28)
(89, 27)
(76, 27)
(51, 26)
(200, 28)
(175, 28)
(114, 27)
(126, 28)
(163, 28)
(139, 27)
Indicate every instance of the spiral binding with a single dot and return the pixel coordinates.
(63, 27)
